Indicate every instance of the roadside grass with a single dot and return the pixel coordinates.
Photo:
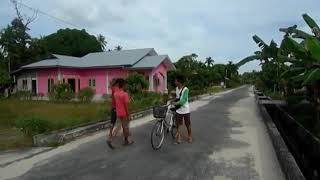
(12, 138)
(58, 115)
(215, 89)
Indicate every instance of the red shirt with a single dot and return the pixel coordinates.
(113, 102)
(121, 101)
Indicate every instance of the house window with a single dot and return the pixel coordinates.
(50, 84)
(92, 83)
(24, 84)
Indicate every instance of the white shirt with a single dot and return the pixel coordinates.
(185, 109)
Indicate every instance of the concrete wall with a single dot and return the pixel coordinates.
(29, 75)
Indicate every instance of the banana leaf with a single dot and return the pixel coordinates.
(311, 23)
(311, 76)
(313, 46)
(248, 59)
(292, 71)
(259, 41)
(296, 33)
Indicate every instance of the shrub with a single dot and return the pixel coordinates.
(143, 100)
(32, 126)
(61, 92)
(24, 95)
(136, 83)
(86, 94)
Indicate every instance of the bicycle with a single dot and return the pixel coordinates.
(166, 122)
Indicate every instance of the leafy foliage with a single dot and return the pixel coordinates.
(61, 92)
(202, 75)
(4, 74)
(102, 42)
(24, 95)
(136, 83)
(86, 94)
(32, 126)
(18, 46)
(73, 42)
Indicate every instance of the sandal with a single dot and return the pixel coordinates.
(110, 145)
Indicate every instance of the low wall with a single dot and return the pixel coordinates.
(297, 149)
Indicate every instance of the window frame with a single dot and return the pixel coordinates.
(92, 82)
(25, 84)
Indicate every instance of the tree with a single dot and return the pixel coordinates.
(72, 42)
(4, 74)
(118, 48)
(14, 41)
(269, 56)
(209, 61)
(102, 41)
(232, 70)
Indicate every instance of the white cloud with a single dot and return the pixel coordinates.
(220, 29)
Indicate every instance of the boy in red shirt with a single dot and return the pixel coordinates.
(113, 130)
(121, 102)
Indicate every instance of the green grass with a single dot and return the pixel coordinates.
(59, 115)
(215, 89)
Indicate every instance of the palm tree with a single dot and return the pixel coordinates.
(102, 41)
(118, 48)
(209, 61)
(194, 55)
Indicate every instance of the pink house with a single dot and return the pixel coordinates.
(95, 70)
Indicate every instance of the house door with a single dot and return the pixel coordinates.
(72, 83)
(34, 87)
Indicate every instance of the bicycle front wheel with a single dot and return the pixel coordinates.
(157, 135)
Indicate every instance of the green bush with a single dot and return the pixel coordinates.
(293, 100)
(61, 92)
(32, 126)
(86, 94)
(24, 95)
(143, 100)
(136, 83)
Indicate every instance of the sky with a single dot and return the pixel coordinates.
(221, 29)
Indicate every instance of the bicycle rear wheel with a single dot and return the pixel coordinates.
(157, 135)
(174, 127)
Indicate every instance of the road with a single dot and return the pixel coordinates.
(230, 142)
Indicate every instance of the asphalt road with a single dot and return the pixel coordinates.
(230, 142)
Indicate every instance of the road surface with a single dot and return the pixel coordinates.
(230, 142)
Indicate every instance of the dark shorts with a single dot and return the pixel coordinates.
(113, 116)
(183, 117)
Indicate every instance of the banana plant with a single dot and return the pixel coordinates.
(304, 56)
(267, 53)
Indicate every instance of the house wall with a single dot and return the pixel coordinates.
(43, 75)
(28, 75)
(103, 78)
(159, 72)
